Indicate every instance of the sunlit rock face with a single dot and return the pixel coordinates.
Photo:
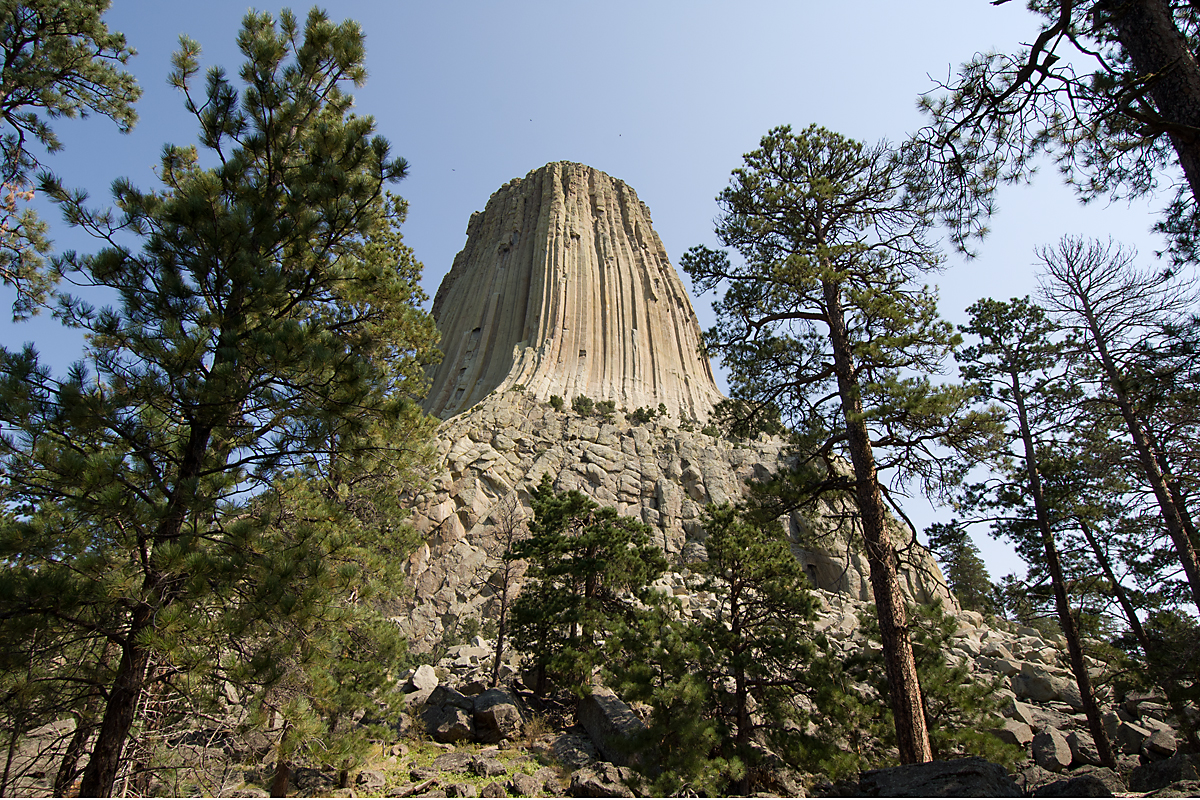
(564, 288)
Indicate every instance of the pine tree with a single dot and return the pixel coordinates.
(589, 573)
(722, 685)
(1019, 363)
(965, 571)
(57, 59)
(1094, 291)
(826, 322)
(959, 710)
(267, 324)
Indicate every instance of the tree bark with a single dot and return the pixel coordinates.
(908, 709)
(68, 767)
(282, 779)
(1159, 52)
(1062, 603)
(101, 771)
(161, 590)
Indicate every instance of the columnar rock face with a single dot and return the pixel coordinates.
(564, 288)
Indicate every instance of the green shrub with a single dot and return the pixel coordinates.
(640, 415)
(556, 402)
(583, 405)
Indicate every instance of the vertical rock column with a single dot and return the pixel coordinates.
(563, 287)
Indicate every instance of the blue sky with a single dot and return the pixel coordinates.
(665, 96)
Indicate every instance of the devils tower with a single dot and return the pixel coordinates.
(564, 288)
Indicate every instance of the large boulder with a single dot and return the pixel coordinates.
(611, 725)
(424, 677)
(497, 716)
(1051, 751)
(601, 780)
(1093, 783)
(1160, 774)
(1130, 737)
(1083, 749)
(1013, 732)
(964, 777)
(448, 724)
(1160, 744)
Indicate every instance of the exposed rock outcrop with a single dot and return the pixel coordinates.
(564, 288)
(656, 471)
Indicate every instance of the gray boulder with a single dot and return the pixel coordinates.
(1083, 749)
(1013, 732)
(1068, 692)
(1160, 774)
(1035, 684)
(497, 716)
(523, 785)
(448, 724)
(1129, 737)
(1178, 789)
(1051, 751)
(424, 678)
(1093, 783)
(486, 767)
(964, 777)
(1160, 744)
(611, 725)
(1018, 712)
(454, 761)
(445, 696)
(601, 780)
(370, 780)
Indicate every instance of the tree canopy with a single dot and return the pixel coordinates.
(266, 326)
(57, 59)
(1109, 88)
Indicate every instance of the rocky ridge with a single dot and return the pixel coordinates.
(662, 471)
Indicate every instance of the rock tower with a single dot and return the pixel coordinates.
(564, 288)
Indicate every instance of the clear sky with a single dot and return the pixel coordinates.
(665, 96)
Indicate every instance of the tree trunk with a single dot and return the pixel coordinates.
(1159, 52)
(14, 736)
(281, 782)
(68, 768)
(501, 627)
(1171, 689)
(1148, 457)
(912, 737)
(1062, 603)
(105, 760)
(160, 589)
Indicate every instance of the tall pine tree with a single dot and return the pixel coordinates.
(265, 321)
(825, 319)
(1018, 362)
